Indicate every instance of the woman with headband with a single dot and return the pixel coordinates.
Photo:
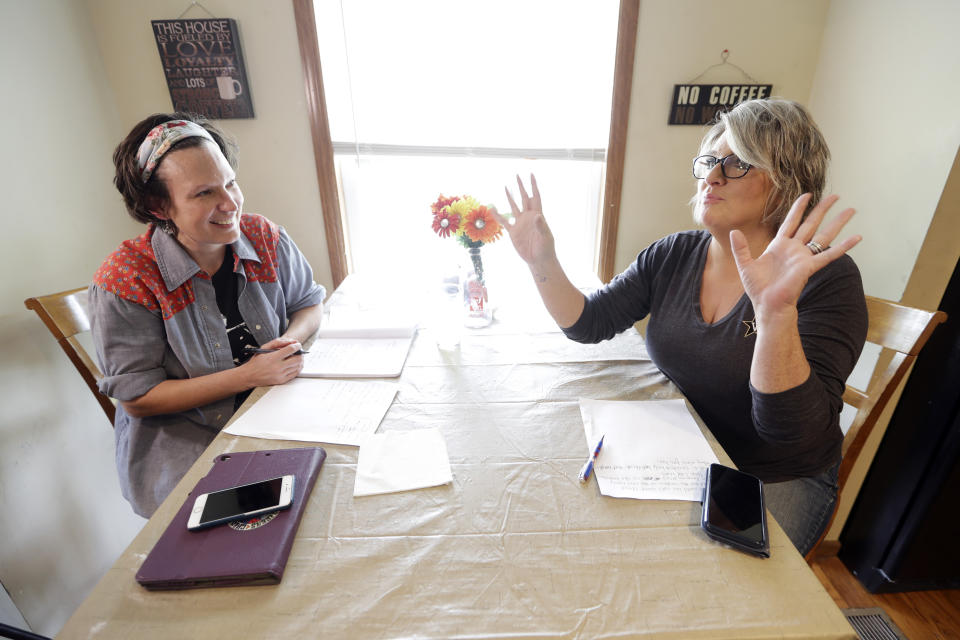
(176, 311)
(755, 317)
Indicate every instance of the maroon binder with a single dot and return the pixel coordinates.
(251, 552)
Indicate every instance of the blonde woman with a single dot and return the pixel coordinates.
(758, 317)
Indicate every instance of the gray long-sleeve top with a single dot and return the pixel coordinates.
(777, 436)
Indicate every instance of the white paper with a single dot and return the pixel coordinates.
(332, 411)
(400, 461)
(651, 449)
(377, 352)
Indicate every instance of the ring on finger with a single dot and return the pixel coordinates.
(815, 247)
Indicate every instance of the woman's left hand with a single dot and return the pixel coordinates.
(775, 279)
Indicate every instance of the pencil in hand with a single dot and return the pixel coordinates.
(252, 349)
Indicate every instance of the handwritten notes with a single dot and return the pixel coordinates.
(651, 449)
(333, 411)
(358, 353)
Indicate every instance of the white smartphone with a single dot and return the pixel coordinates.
(238, 503)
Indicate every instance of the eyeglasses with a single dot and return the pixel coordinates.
(731, 166)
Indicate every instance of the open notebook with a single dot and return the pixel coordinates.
(358, 353)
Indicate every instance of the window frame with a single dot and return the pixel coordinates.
(305, 19)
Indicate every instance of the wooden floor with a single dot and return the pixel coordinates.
(920, 615)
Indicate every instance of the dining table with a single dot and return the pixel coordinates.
(514, 546)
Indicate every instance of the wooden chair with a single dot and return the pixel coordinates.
(65, 315)
(904, 331)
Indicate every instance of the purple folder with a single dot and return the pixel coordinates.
(250, 552)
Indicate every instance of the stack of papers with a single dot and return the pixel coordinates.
(332, 411)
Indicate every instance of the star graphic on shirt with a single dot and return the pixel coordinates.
(751, 327)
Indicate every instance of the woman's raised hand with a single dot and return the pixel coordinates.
(775, 279)
(529, 233)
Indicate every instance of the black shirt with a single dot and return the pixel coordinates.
(778, 436)
(225, 283)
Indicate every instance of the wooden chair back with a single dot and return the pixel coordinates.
(903, 330)
(65, 315)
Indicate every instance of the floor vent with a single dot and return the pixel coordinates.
(873, 624)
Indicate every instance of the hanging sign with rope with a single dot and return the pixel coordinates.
(699, 104)
(204, 66)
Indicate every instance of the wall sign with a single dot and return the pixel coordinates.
(699, 103)
(204, 68)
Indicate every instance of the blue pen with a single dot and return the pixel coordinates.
(588, 467)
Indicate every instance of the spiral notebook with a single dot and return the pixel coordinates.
(373, 352)
(243, 553)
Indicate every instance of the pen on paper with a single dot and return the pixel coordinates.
(588, 467)
(260, 350)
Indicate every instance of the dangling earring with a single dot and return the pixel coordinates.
(167, 226)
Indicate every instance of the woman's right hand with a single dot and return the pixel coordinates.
(529, 233)
(274, 368)
(532, 239)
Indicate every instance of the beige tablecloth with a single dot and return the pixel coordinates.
(514, 547)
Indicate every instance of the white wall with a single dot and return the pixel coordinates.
(774, 41)
(9, 614)
(64, 522)
(277, 170)
(886, 96)
(878, 76)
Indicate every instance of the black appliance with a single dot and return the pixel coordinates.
(903, 533)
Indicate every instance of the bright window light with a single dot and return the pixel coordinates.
(447, 96)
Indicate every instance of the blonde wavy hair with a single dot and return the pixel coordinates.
(780, 137)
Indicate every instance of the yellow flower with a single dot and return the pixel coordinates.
(461, 208)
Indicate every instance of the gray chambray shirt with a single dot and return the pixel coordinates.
(154, 317)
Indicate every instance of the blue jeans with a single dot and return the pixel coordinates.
(803, 506)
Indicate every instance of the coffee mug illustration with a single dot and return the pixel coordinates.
(229, 87)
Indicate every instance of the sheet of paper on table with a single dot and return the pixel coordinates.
(376, 352)
(652, 449)
(331, 411)
(400, 461)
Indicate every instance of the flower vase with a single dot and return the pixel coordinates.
(476, 304)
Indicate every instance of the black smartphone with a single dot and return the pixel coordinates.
(733, 510)
(237, 503)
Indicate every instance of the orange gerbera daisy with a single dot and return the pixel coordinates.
(481, 226)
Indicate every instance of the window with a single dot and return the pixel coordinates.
(431, 96)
